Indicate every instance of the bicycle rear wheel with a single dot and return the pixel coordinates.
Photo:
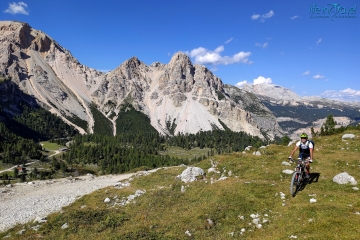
(294, 185)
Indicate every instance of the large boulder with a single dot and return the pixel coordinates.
(350, 136)
(344, 178)
(191, 174)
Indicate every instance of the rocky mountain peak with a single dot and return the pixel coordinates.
(272, 91)
(177, 97)
(179, 57)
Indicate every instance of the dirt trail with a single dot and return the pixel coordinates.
(26, 201)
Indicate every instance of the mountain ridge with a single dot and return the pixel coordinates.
(187, 95)
(297, 114)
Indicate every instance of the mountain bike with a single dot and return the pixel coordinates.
(298, 180)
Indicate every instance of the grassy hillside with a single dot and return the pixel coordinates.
(223, 209)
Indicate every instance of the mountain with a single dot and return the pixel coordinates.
(297, 114)
(177, 97)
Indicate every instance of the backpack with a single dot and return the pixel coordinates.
(310, 141)
(307, 144)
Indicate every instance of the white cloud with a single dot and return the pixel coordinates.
(347, 94)
(268, 15)
(258, 80)
(263, 16)
(294, 17)
(319, 41)
(241, 84)
(318, 76)
(17, 8)
(229, 40)
(351, 92)
(306, 73)
(204, 56)
(219, 49)
(262, 79)
(255, 16)
(262, 45)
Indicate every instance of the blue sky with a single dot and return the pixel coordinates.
(310, 47)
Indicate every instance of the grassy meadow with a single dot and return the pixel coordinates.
(211, 209)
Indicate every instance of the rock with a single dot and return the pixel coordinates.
(282, 195)
(191, 174)
(138, 193)
(64, 226)
(255, 221)
(222, 178)
(248, 148)
(312, 200)
(40, 220)
(122, 184)
(21, 232)
(286, 163)
(182, 188)
(344, 178)
(35, 228)
(188, 233)
(257, 153)
(210, 170)
(107, 200)
(210, 222)
(288, 171)
(356, 188)
(131, 197)
(348, 136)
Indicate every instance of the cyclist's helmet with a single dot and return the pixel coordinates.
(304, 135)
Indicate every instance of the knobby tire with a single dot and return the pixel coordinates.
(294, 185)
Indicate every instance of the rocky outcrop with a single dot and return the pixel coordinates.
(189, 96)
(344, 178)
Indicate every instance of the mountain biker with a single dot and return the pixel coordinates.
(306, 151)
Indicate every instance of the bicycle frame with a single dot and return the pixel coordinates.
(298, 178)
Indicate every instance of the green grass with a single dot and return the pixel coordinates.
(51, 146)
(164, 212)
(185, 154)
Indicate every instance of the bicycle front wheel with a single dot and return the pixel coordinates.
(294, 185)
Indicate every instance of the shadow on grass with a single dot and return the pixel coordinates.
(314, 177)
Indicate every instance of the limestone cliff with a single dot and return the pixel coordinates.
(188, 96)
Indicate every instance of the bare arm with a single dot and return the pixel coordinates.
(293, 151)
(311, 153)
